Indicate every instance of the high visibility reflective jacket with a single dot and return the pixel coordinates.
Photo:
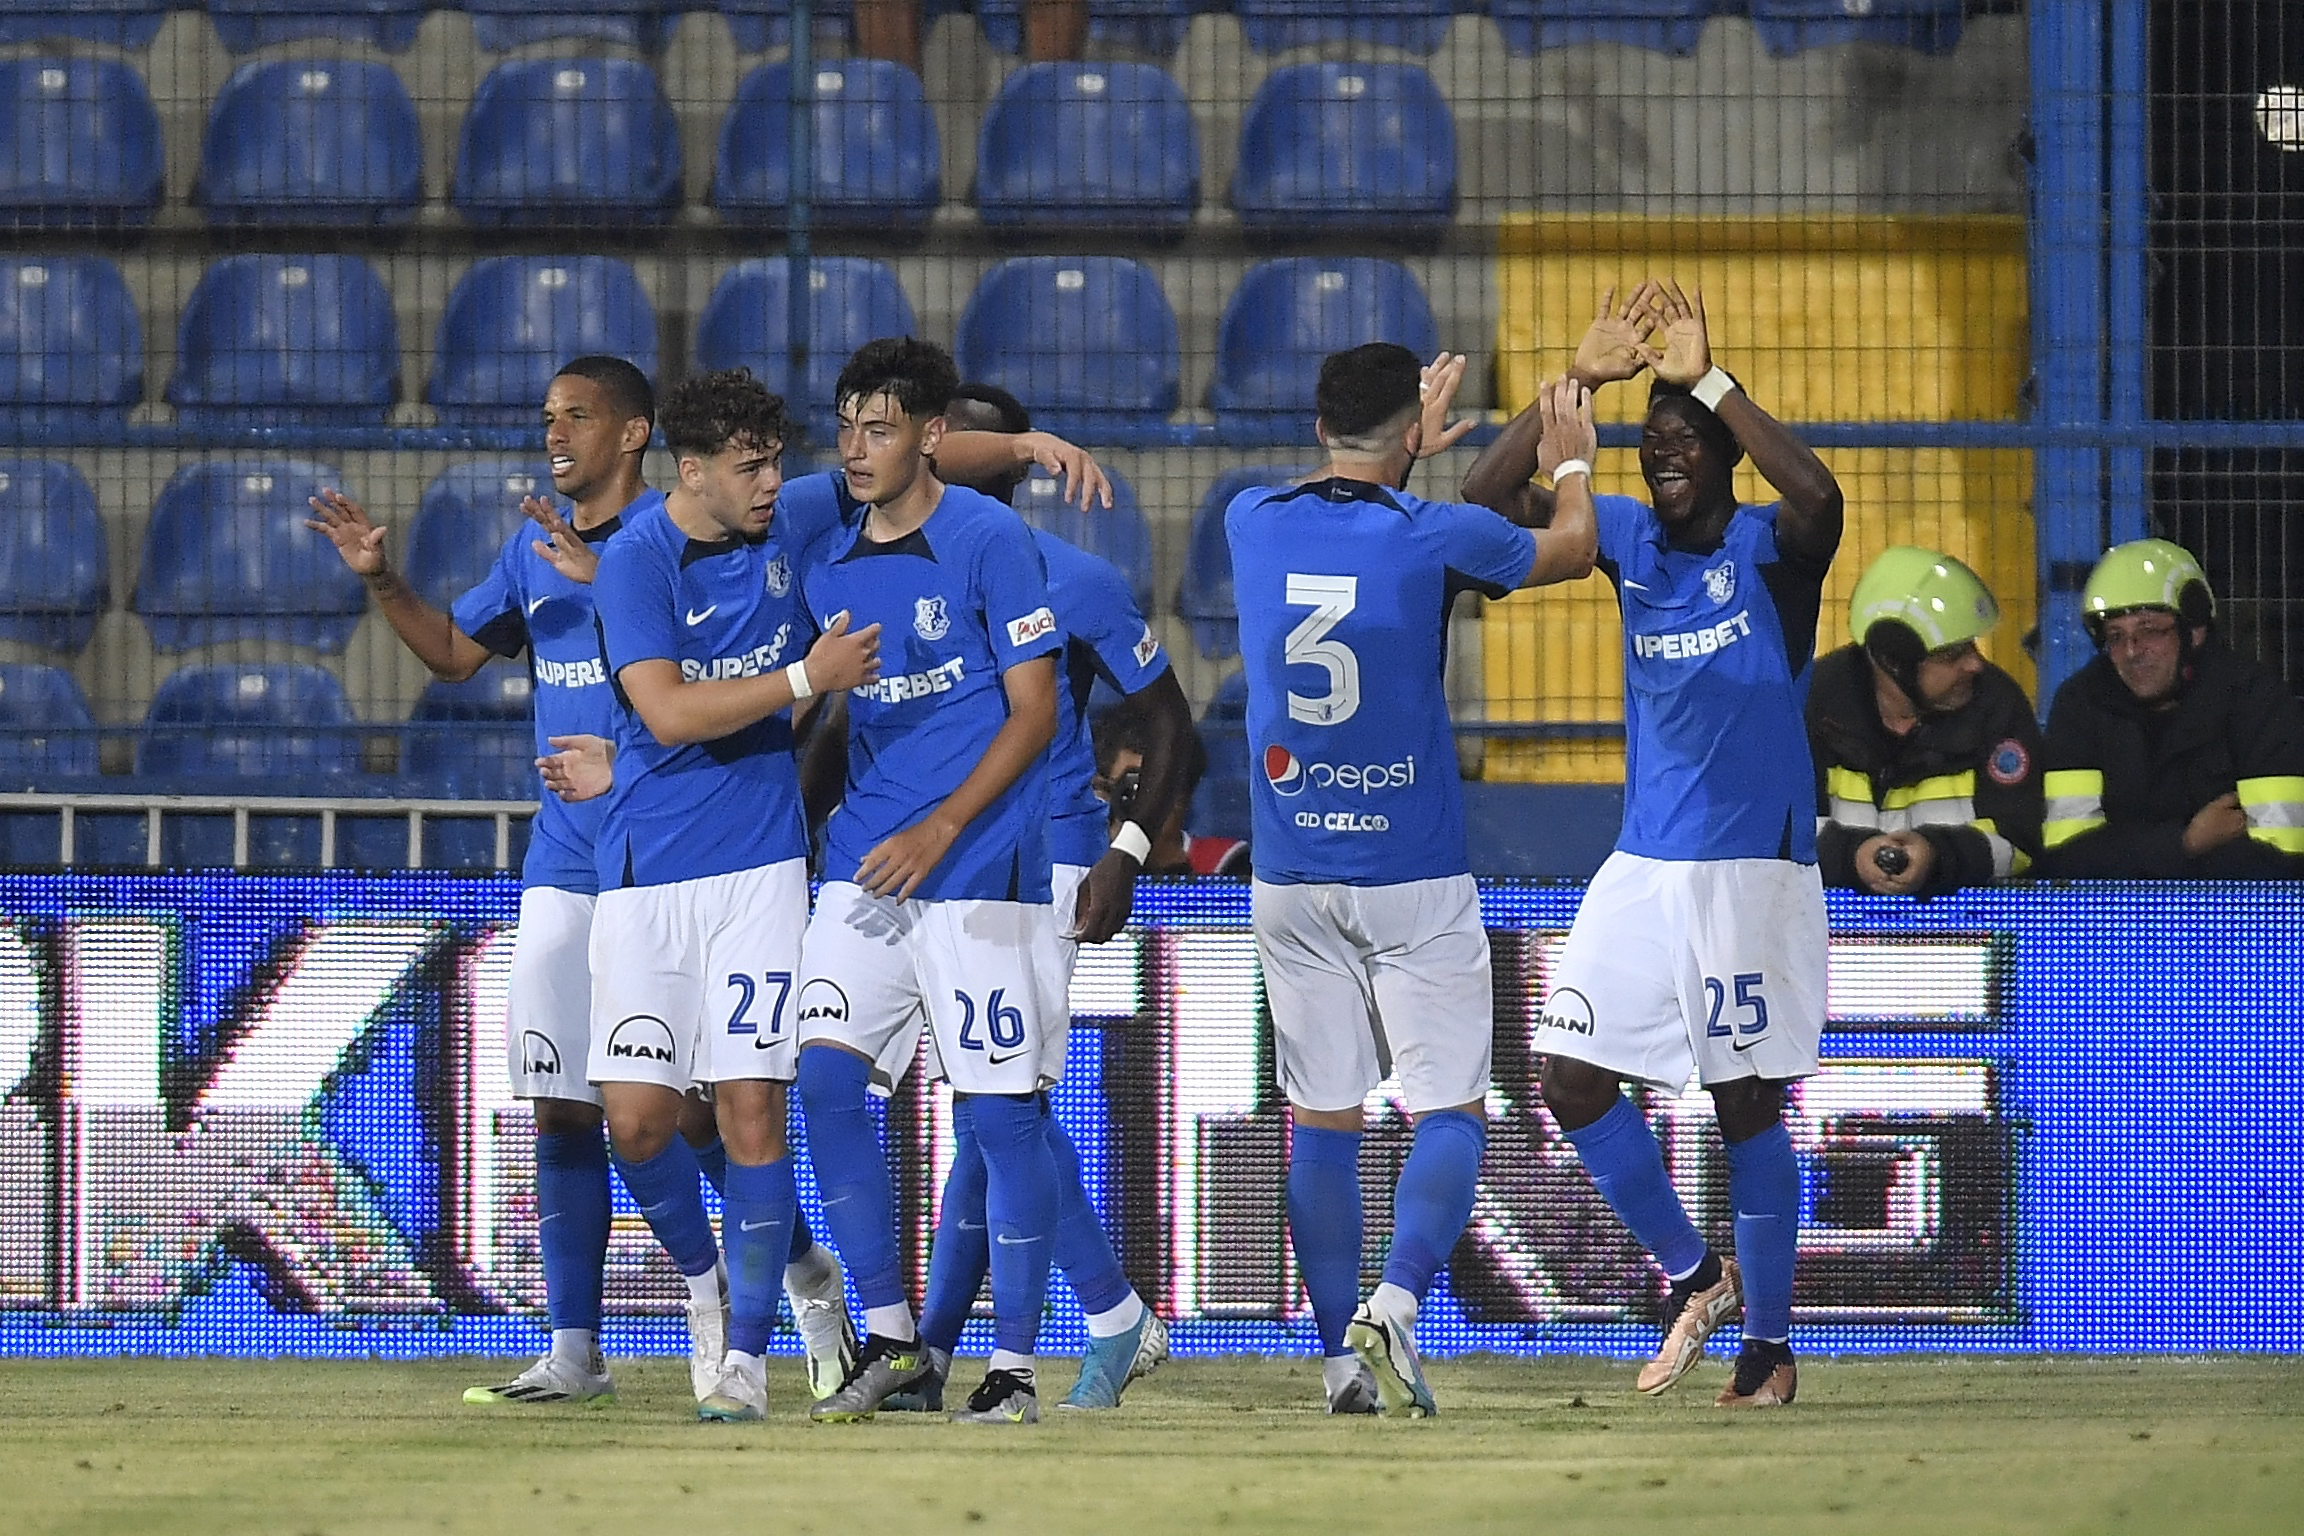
(1967, 781)
(2124, 780)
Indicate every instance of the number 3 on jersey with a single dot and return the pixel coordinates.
(1330, 598)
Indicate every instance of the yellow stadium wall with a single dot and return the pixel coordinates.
(1824, 319)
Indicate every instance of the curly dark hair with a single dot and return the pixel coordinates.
(706, 412)
(918, 375)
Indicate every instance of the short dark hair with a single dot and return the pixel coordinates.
(1010, 410)
(706, 412)
(627, 388)
(1700, 417)
(1127, 727)
(1366, 386)
(918, 375)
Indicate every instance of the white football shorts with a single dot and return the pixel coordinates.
(694, 982)
(1713, 968)
(548, 997)
(1368, 980)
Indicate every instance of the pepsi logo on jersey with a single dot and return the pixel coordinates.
(1289, 775)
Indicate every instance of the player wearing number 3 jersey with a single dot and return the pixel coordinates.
(1367, 922)
(1700, 945)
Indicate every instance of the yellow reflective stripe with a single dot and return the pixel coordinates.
(2074, 781)
(1945, 786)
(1847, 784)
(2007, 858)
(2056, 832)
(2075, 804)
(2275, 807)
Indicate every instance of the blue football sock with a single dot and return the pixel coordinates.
(1764, 1186)
(1434, 1196)
(802, 1238)
(666, 1189)
(756, 1226)
(1020, 1208)
(963, 1251)
(1083, 1251)
(572, 1225)
(1324, 1224)
(712, 1159)
(852, 1173)
(1627, 1167)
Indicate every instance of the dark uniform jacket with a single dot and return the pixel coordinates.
(1969, 781)
(2124, 779)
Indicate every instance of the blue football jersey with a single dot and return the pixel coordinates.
(523, 605)
(1104, 636)
(1344, 589)
(730, 608)
(959, 602)
(1717, 649)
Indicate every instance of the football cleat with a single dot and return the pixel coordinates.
(1386, 1345)
(1690, 1318)
(1111, 1363)
(1005, 1397)
(928, 1397)
(1357, 1395)
(741, 1394)
(551, 1380)
(886, 1367)
(1765, 1377)
(828, 1334)
(708, 1339)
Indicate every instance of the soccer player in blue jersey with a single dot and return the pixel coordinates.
(1699, 948)
(1367, 921)
(702, 856)
(937, 900)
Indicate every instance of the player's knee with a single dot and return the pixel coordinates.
(638, 1137)
(1747, 1107)
(1576, 1092)
(831, 1079)
(565, 1117)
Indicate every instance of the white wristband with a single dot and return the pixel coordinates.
(1130, 840)
(1569, 467)
(797, 675)
(1713, 387)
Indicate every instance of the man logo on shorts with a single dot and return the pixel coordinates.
(822, 999)
(642, 1037)
(1568, 1010)
(539, 1057)
(1284, 770)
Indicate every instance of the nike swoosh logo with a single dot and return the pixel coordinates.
(1741, 1046)
(1001, 1061)
(695, 618)
(550, 1216)
(1635, 586)
(753, 1226)
(971, 1226)
(1006, 1241)
(540, 602)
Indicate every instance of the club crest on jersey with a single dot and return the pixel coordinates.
(779, 576)
(929, 620)
(1720, 582)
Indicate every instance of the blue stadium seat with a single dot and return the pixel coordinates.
(1087, 343)
(1366, 147)
(119, 23)
(79, 144)
(1787, 26)
(1666, 26)
(247, 25)
(503, 25)
(747, 323)
(45, 725)
(879, 163)
(1286, 316)
(1204, 596)
(467, 513)
(589, 142)
(1147, 26)
(1088, 146)
(228, 558)
(1119, 532)
(71, 347)
(475, 740)
(286, 341)
(1414, 26)
(283, 721)
(759, 26)
(513, 320)
(55, 563)
(311, 141)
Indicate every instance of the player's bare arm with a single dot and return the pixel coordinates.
(679, 713)
(897, 865)
(1567, 546)
(449, 653)
(1109, 893)
(971, 458)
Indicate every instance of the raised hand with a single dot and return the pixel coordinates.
(1436, 387)
(1687, 354)
(1083, 479)
(1565, 407)
(358, 540)
(1615, 346)
(840, 660)
(581, 768)
(562, 547)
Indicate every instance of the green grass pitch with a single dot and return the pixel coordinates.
(187, 1447)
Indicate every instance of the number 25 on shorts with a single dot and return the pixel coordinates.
(1748, 1001)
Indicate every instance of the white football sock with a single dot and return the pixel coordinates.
(891, 1322)
(1009, 1360)
(1116, 1320)
(579, 1347)
(1339, 1371)
(1393, 1301)
(813, 1273)
(704, 1289)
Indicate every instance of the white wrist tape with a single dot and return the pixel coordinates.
(1569, 467)
(1713, 387)
(1130, 840)
(797, 675)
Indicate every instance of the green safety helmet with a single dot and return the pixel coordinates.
(1933, 599)
(2147, 573)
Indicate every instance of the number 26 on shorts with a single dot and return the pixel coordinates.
(1749, 1002)
(1003, 1023)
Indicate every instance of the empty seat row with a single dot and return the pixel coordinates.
(1417, 26)
(1089, 343)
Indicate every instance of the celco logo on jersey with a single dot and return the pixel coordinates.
(1289, 775)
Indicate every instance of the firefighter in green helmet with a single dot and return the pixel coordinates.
(2170, 755)
(1928, 759)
